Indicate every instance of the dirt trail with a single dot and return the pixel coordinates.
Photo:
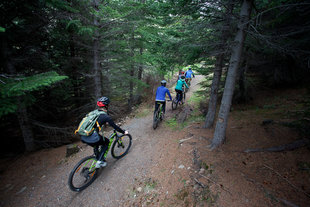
(41, 178)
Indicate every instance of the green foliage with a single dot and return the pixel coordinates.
(22, 85)
(10, 88)
(172, 123)
(2, 29)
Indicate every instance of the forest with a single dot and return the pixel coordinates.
(58, 57)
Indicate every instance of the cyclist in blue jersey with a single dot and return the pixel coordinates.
(161, 96)
(188, 75)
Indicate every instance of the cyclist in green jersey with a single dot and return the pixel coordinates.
(179, 87)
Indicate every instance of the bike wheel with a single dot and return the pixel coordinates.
(121, 146)
(174, 103)
(184, 96)
(83, 174)
(155, 119)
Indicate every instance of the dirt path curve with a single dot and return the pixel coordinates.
(42, 182)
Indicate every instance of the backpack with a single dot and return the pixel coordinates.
(86, 126)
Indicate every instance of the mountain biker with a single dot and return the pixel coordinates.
(188, 74)
(179, 87)
(161, 96)
(181, 74)
(95, 140)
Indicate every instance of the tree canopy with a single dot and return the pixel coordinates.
(58, 56)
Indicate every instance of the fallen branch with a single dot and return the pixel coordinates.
(221, 186)
(296, 188)
(199, 183)
(286, 147)
(183, 140)
(287, 202)
(261, 186)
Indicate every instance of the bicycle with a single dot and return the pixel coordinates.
(84, 172)
(177, 100)
(188, 81)
(158, 115)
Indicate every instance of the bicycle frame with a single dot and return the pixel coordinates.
(160, 109)
(111, 138)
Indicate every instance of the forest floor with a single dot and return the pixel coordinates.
(172, 166)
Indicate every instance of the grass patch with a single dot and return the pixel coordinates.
(301, 126)
(143, 113)
(196, 98)
(172, 123)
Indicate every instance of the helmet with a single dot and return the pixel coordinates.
(103, 101)
(189, 68)
(163, 82)
(182, 72)
(182, 77)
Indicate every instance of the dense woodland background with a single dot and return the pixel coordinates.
(58, 57)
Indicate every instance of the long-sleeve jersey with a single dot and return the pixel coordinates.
(161, 93)
(105, 118)
(180, 83)
(189, 73)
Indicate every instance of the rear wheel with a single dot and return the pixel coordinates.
(155, 119)
(83, 174)
(121, 146)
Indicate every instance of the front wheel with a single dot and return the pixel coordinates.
(183, 100)
(121, 146)
(175, 103)
(83, 174)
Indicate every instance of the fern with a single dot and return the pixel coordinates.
(13, 87)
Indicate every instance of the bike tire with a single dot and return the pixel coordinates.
(174, 103)
(86, 172)
(124, 142)
(184, 96)
(155, 120)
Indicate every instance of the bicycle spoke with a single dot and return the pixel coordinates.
(83, 174)
(121, 147)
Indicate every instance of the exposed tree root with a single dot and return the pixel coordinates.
(182, 116)
(286, 147)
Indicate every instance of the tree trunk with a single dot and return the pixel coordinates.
(140, 70)
(96, 56)
(25, 126)
(131, 73)
(130, 100)
(214, 91)
(22, 115)
(218, 67)
(221, 125)
(73, 69)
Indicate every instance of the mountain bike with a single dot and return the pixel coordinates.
(84, 173)
(188, 81)
(177, 100)
(158, 115)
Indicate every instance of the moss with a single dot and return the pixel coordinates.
(172, 123)
(182, 194)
